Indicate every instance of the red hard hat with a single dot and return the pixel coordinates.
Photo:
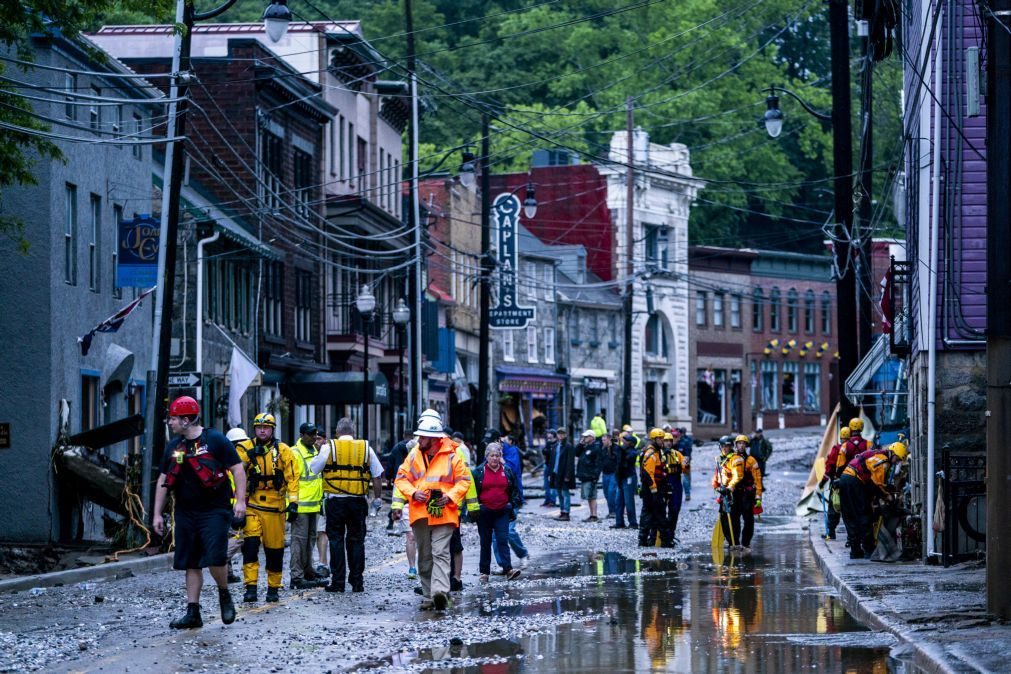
(184, 406)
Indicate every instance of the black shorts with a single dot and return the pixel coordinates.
(201, 538)
(456, 543)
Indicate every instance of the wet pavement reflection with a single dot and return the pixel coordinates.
(771, 611)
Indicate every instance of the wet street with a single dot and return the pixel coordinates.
(590, 601)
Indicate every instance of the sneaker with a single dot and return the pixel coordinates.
(357, 588)
(592, 518)
(524, 561)
(334, 587)
(499, 571)
(412, 573)
(483, 578)
(273, 595)
(688, 498)
(441, 601)
(322, 571)
(513, 574)
(250, 596)
(419, 591)
(564, 517)
(455, 585)
(549, 505)
(427, 605)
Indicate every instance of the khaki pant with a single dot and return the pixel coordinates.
(433, 556)
(303, 539)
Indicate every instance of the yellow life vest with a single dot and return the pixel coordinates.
(347, 470)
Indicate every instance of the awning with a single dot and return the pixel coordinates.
(532, 380)
(331, 388)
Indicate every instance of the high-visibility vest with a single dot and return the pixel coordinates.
(470, 501)
(347, 470)
(310, 484)
(446, 472)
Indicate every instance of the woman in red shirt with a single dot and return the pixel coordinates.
(498, 494)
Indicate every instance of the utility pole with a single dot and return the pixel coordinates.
(998, 318)
(842, 166)
(484, 355)
(865, 269)
(626, 405)
(414, 221)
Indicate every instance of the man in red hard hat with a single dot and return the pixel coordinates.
(195, 468)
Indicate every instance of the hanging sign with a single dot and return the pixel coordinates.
(507, 314)
(137, 259)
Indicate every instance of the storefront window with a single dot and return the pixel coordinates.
(790, 385)
(770, 385)
(711, 395)
(812, 387)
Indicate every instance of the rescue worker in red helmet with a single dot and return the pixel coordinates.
(273, 475)
(195, 468)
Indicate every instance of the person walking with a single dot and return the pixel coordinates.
(588, 470)
(563, 473)
(273, 481)
(310, 503)
(498, 495)
(628, 483)
(348, 465)
(609, 458)
(761, 449)
(322, 542)
(435, 482)
(195, 469)
(655, 493)
(550, 495)
(514, 461)
(862, 481)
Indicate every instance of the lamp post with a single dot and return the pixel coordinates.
(401, 315)
(276, 18)
(847, 299)
(366, 304)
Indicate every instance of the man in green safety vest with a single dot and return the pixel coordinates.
(310, 502)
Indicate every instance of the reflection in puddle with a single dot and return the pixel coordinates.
(770, 612)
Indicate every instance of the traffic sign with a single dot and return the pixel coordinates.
(184, 380)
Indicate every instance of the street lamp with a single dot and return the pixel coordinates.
(401, 314)
(773, 118)
(276, 18)
(530, 203)
(366, 304)
(468, 169)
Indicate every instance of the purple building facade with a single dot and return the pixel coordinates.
(941, 307)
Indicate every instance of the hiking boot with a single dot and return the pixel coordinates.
(233, 577)
(856, 554)
(427, 605)
(322, 571)
(592, 518)
(441, 601)
(227, 607)
(272, 595)
(302, 584)
(250, 596)
(357, 588)
(455, 585)
(564, 517)
(190, 620)
(513, 574)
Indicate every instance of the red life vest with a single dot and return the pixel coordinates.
(208, 470)
(852, 449)
(859, 464)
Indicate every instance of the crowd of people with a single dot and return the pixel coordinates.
(234, 494)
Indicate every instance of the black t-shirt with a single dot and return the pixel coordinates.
(189, 493)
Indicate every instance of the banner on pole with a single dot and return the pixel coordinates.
(137, 252)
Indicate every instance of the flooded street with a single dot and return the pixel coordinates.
(766, 612)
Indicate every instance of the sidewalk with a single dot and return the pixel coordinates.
(939, 614)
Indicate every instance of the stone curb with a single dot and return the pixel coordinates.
(875, 614)
(161, 562)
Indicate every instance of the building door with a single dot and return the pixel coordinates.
(650, 405)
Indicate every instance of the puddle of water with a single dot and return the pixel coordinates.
(770, 612)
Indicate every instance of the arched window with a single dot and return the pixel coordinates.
(791, 310)
(809, 311)
(757, 309)
(656, 337)
(774, 309)
(826, 313)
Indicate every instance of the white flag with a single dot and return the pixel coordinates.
(242, 372)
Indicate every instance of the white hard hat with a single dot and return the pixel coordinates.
(430, 425)
(236, 435)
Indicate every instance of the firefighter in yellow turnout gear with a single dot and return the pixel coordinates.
(273, 479)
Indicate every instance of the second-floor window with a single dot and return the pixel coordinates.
(303, 181)
(826, 313)
(117, 217)
(138, 125)
(757, 309)
(531, 344)
(549, 345)
(791, 311)
(735, 311)
(594, 330)
(70, 235)
(809, 311)
(362, 157)
(700, 308)
(508, 348)
(303, 306)
(273, 305)
(774, 309)
(70, 86)
(718, 310)
(94, 245)
(271, 167)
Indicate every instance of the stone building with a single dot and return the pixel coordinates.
(66, 283)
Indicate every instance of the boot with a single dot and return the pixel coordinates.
(227, 607)
(250, 595)
(190, 620)
(272, 594)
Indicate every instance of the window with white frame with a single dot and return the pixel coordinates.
(70, 86)
(271, 169)
(826, 313)
(303, 306)
(718, 310)
(117, 120)
(70, 235)
(117, 217)
(549, 345)
(809, 311)
(508, 347)
(812, 387)
(531, 344)
(735, 311)
(273, 286)
(770, 385)
(774, 310)
(710, 395)
(700, 307)
(303, 178)
(332, 138)
(94, 245)
(549, 282)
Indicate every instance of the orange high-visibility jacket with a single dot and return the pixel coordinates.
(446, 471)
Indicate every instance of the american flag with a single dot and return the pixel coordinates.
(112, 323)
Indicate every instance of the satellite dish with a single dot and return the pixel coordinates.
(117, 368)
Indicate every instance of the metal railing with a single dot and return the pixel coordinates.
(342, 318)
(961, 480)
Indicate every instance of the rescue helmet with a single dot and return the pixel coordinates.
(856, 425)
(184, 406)
(430, 425)
(899, 449)
(655, 433)
(844, 433)
(236, 435)
(742, 438)
(264, 419)
(668, 436)
(726, 440)
(626, 429)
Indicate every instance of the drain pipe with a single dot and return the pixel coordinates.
(935, 240)
(200, 307)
